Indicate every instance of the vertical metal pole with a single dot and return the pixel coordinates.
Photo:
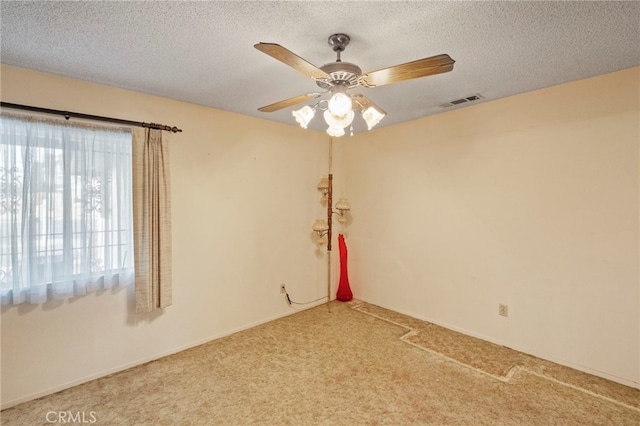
(329, 217)
(329, 214)
(329, 282)
(329, 211)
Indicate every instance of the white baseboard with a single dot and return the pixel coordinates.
(49, 391)
(528, 351)
(35, 395)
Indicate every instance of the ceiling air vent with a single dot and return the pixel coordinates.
(462, 100)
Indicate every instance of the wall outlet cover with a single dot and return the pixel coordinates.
(503, 310)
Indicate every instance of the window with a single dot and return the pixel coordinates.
(66, 223)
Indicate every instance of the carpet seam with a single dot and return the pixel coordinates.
(504, 379)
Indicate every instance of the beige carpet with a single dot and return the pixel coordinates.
(356, 365)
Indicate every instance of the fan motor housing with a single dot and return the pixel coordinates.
(341, 73)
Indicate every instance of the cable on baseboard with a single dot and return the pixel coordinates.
(291, 302)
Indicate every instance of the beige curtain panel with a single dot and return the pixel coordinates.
(152, 220)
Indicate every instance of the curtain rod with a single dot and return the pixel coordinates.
(67, 115)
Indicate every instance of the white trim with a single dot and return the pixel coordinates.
(528, 351)
(8, 404)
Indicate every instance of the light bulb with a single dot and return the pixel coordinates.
(340, 104)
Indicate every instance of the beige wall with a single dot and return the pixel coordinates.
(244, 199)
(529, 201)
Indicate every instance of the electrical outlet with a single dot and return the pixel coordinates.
(282, 289)
(503, 310)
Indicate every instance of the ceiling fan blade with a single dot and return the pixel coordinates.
(421, 68)
(288, 102)
(363, 103)
(289, 58)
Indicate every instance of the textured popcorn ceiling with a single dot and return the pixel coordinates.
(202, 52)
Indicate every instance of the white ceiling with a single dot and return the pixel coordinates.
(202, 52)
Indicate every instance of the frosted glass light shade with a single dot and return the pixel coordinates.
(338, 122)
(343, 208)
(323, 185)
(340, 104)
(343, 204)
(372, 116)
(320, 226)
(336, 132)
(304, 115)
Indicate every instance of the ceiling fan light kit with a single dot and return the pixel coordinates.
(338, 77)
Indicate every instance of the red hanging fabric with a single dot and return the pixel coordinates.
(344, 293)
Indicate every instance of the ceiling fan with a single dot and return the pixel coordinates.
(336, 78)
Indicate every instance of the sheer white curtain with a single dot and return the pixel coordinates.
(65, 209)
